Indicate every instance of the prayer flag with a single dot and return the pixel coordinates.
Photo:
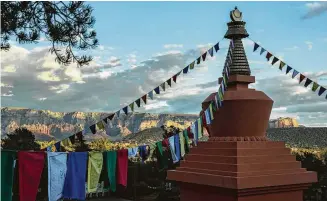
(100, 125)
(255, 47)
(185, 70)
(211, 112)
(111, 160)
(144, 99)
(198, 60)
(301, 78)
(268, 56)
(122, 165)
(66, 142)
(138, 102)
(191, 65)
(315, 86)
(288, 69)
(57, 169)
(157, 90)
(169, 82)
(211, 51)
(172, 148)
(200, 127)
(125, 109)
(132, 152)
(57, 145)
(74, 186)
(281, 65)
(94, 170)
(174, 78)
(321, 90)
(105, 120)
(295, 72)
(93, 129)
(216, 47)
(262, 50)
(177, 147)
(151, 94)
(307, 82)
(182, 143)
(118, 113)
(30, 168)
(7, 174)
(275, 59)
(204, 55)
(132, 106)
(163, 86)
(111, 116)
(207, 116)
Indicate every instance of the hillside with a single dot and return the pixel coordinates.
(48, 125)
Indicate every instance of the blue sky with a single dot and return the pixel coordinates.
(144, 43)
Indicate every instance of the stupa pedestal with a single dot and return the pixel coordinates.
(238, 162)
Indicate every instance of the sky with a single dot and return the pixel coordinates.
(142, 44)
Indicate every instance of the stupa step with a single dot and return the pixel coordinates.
(242, 182)
(242, 174)
(241, 144)
(239, 152)
(240, 167)
(239, 160)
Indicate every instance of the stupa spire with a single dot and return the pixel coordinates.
(236, 32)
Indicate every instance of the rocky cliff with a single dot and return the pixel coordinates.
(283, 122)
(48, 125)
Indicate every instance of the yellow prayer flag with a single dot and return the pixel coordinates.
(94, 171)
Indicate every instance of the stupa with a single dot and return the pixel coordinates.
(238, 162)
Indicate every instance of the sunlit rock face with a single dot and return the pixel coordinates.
(283, 122)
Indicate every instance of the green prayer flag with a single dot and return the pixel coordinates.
(192, 65)
(95, 164)
(7, 174)
(315, 86)
(200, 127)
(187, 145)
(100, 125)
(111, 165)
(132, 106)
(159, 145)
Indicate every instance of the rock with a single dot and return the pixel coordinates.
(283, 122)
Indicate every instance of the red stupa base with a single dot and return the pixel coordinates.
(241, 171)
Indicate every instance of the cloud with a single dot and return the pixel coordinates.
(309, 44)
(315, 9)
(170, 46)
(292, 48)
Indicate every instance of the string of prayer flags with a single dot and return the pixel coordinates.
(308, 81)
(100, 126)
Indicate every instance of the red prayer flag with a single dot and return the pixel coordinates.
(30, 167)
(174, 78)
(122, 166)
(144, 99)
